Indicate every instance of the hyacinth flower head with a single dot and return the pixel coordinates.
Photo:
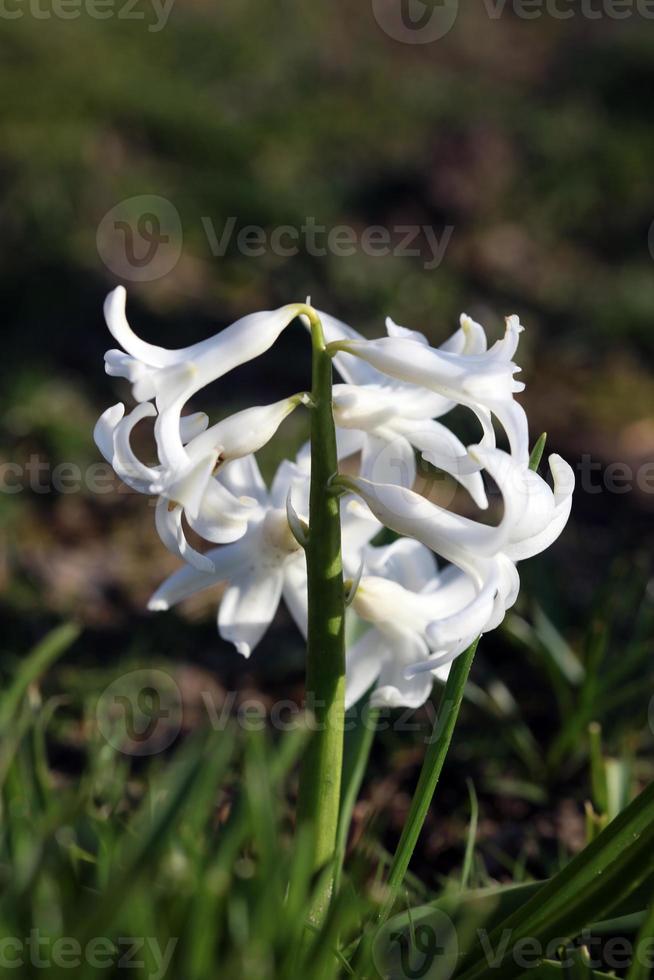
(395, 391)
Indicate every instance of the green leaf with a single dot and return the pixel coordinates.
(537, 452)
(592, 884)
(578, 970)
(432, 767)
(472, 836)
(638, 970)
(35, 663)
(358, 742)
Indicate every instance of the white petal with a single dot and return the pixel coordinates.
(481, 381)
(363, 662)
(291, 477)
(126, 464)
(189, 486)
(348, 442)
(222, 517)
(242, 477)
(118, 364)
(564, 481)
(362, 406)
(245, 432)
(405, 561)
(471, 620)
(169, 527)
(394, 689)
(439, 664)
(248, 607)
(456, 538)
(192, 425)
(114, 312)
(443, 449)
(358, 528)
(388, 457)
(393, 329)
(474, 336)
(188, 581)
(370, 406)
(513, 419)
(294, 591)
(103, 433)
(470, 338)
(532, 505)
(403, 359)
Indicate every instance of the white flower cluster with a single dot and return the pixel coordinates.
(411, 618)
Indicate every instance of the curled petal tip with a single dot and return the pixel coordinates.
(158, 605)
(243, 648)
(115, 300)
(513, 323)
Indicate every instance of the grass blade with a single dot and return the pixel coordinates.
(609, 869)
(430, 773)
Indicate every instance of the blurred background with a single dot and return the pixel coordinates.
(383, 158)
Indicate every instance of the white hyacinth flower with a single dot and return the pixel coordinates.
(478, 378)
(397, 597)
(484, 556)
(267, 563)
(394, 392)
(386, 420)
(206, 489)
(171, 377)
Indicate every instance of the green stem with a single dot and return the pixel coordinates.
(430, 773)
(320, 777)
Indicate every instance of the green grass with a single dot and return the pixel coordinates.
(188, 859)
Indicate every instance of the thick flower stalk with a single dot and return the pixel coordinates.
(417, 604)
